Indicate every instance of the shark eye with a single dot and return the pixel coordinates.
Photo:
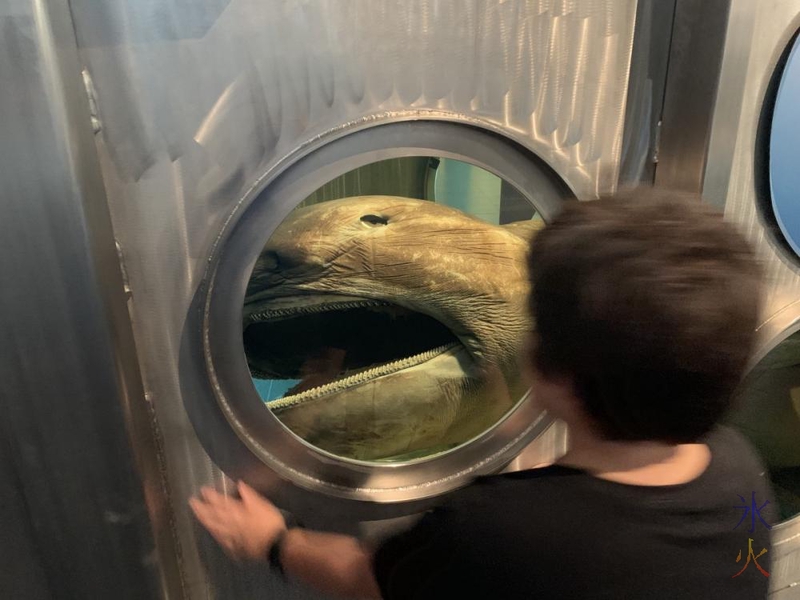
(268, 261)
(374, 220)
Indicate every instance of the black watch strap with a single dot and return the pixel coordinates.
(274, 556)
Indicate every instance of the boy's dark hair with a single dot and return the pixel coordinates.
(648, 303)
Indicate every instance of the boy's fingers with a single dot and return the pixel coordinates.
(219, 532)
(210, 495)
(219, 529)
(218, 501)
(207, 514)
(252, 498)
(248, 494)
(200, 510)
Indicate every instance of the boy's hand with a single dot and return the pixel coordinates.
(245, 527)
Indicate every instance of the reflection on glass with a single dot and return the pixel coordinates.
(388, 327)
(784, 177)
(769, 414)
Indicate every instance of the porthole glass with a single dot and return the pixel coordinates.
(384, 318)
(782, 212)
(769, 414)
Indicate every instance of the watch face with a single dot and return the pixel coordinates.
(784, 161)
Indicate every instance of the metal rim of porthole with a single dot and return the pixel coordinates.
(780, 239)
(773, 331)
(267, 206)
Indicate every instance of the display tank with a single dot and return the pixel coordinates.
(385, 317)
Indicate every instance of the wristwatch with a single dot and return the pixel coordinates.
(274, 555)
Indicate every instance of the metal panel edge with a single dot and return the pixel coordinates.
(67, 108)
(108, 258)
(696, 51)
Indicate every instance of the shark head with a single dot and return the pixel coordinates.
(402, 319)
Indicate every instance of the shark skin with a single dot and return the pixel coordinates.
(403, 320)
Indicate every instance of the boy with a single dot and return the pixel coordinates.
(646, 310)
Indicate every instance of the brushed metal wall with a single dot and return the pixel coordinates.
(198, 103)
(74, 514)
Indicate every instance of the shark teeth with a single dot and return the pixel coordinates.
(359, 378)
(283, 313)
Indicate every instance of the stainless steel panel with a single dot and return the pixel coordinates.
(757, 37)
(698, 40)
(24, 574)
(75, 516)
(551, 74)
(771, 32)
(200, 103)
(733, 77)
(648, 78)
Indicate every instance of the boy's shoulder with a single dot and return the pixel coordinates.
(735, 466)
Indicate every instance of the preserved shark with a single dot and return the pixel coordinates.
(403, 320)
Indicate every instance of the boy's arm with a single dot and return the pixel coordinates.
(249, 527)
(335, 564)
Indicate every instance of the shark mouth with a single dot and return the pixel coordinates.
(332, 343)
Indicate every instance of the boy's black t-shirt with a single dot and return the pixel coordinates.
(558, 532)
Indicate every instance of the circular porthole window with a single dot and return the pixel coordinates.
(387, 325)
(366, 315)
(780, 132)
(769, 414)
